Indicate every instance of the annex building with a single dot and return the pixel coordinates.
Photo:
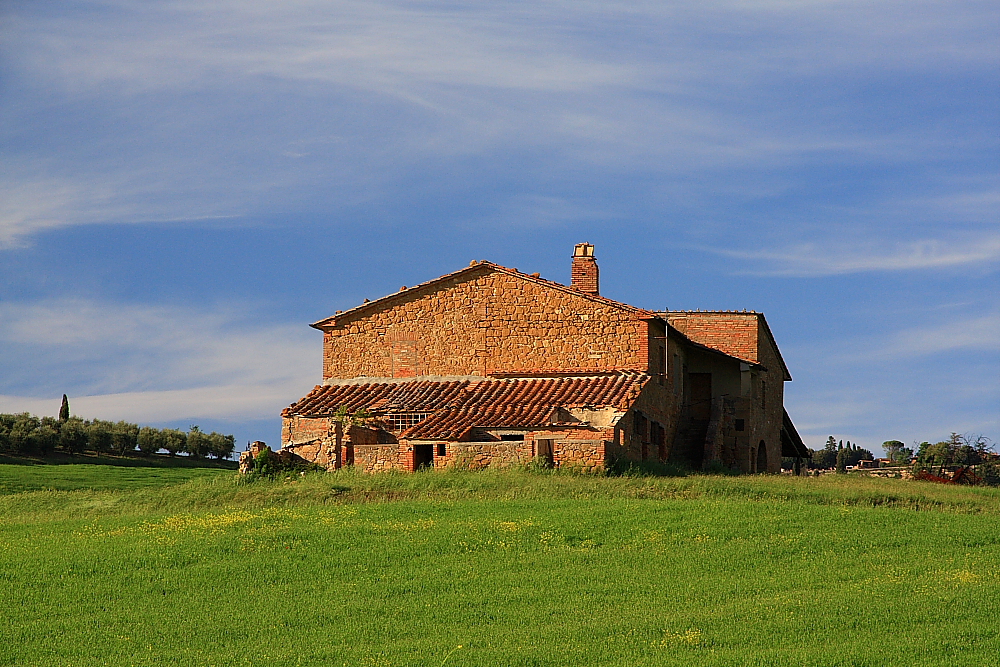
(491, 366)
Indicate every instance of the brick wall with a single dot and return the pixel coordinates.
(483, 322)
(584, 273)
(732, 333)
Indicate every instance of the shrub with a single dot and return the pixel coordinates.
(174, 441)
(220, 446)
(73, 436)
(99, 435)
(198, 443)
(124, 437)
(989, 472)
(150, 440)
(21, 432)
(842, 460)
(45, 438)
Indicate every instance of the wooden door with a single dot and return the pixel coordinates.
(545, 453)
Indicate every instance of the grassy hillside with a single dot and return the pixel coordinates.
(516, 568)
(90, 471)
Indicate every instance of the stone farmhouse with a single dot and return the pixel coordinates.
(491, 366)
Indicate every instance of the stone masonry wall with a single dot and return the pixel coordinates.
(479, 323)
(767, 414)
(656, 406)
(583, 449)
(744, 335)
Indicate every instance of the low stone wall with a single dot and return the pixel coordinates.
(320, 452)
(380, 458)
(585, 455)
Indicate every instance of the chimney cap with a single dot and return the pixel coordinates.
(583, 250)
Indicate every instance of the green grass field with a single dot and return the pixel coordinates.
(65, 473)
(515, 568)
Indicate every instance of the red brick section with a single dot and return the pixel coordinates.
(734, 333)
(585, 276)
(457, 406)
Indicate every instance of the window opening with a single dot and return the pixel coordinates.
(400, 421)
(761, 457)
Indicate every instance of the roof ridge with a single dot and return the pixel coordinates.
(473, 266)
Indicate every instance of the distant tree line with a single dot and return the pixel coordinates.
(958, 450)
(838, 455)
(27, 435)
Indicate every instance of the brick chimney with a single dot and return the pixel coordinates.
(585, 276)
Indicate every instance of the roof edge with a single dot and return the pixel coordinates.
(477, 265)
(709, 348)
(761, 320)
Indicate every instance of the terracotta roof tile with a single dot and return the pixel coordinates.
(456, 407)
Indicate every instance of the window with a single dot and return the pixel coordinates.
(640, 426)
(512, 436)
(763, 394)
(741, 424)
(401, 421)
(441, 449)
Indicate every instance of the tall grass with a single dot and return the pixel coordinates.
(518, 568)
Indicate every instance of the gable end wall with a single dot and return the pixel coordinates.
(479, 324)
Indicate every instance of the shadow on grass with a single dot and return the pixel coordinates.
(625, 468)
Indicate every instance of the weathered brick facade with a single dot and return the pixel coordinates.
(489, 366)
(486, 319)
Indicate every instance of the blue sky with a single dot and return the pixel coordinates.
(186, 185)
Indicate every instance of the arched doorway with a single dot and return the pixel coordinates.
(761, 457)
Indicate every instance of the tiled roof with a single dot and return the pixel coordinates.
(456, 407)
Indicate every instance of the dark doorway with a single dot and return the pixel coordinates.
(701, 396)
(349, 455)
(658, 436)
(762, 457)
(544, 453)
(688, 448)
(423, 456)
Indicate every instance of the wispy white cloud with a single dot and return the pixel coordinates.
(619, 87)
(973, 334)
(152, 363)
(834, 258)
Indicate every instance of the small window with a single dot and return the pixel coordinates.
(512, 436)
(441, 449)
(401, 421)
(741, 424)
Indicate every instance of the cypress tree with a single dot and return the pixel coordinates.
(64, 409)
(841, 461)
